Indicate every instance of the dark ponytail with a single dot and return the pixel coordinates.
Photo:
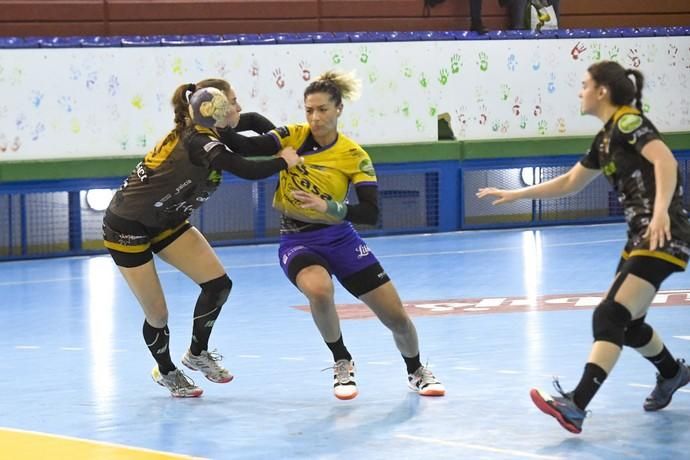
(639, 83)
(622, 89)
(180, 103)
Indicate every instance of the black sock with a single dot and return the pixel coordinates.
(591, 381)
(412, 363)
(338, 349)
(213, 295)
(664, 362)
(158, 341)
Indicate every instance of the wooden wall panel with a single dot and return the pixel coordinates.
(624, 7)
(140, 17)
(51, 10)
(52, 29)
(229, 26)
(372, 8)
(210, 10)
(627, 20)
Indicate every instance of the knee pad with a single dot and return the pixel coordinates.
(638, 334)
(609, 322)
(216, 292)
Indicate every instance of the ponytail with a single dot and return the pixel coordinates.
(639, 83)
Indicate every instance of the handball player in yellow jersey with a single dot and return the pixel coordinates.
(318, 240)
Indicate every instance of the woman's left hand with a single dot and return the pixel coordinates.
(310, 201)
(658, 231)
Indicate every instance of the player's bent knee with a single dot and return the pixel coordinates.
(609, 322)
(217, 291)
(638, 334)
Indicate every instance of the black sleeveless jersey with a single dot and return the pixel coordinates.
(173, 179)
(617, 152)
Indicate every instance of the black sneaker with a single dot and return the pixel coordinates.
(662, 393)
(562, 408)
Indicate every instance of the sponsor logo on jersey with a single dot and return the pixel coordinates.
(638, 134)
(287, 255)
(367, 167)
(362, 251)
(182, 186)
(610, 168)
(210, 145)
(162, 201)
(629, 123)
(214, 177)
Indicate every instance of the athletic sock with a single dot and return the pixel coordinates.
(664, 362)
(412, 364)
(338, 349)
(158, 341)
(591, 381)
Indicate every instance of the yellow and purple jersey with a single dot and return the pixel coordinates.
(327, 171)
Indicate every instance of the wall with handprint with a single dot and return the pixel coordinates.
(60, 103)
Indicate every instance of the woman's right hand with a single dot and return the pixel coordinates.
(290, 156)
(504, 196)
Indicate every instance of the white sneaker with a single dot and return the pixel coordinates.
(424, 383)
(208, 364)
(177, 382)
(344, 385)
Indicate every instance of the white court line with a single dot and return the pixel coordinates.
(640, 385)
(379, 363)
(51, 280)
(460, 368)
(497, 249)
(291, 358)
(508, 452)
(415, 254)
(508, 372)
(27, 347)
(249, 356)
(71, 348)
(682, 337)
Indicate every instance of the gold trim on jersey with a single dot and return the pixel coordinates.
(124, 248)
(161, 151)
(624, 110)
(166, 233)
(143, 247)
(657, 255)
(165, 147)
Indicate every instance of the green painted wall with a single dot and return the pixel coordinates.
(95, 167)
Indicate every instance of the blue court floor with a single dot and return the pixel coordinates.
(497, 312)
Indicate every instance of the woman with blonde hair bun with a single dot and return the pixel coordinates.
(317, 238)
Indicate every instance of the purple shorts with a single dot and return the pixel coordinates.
(340, 246)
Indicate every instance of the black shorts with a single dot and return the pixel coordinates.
(132, 244)
(357, 284)
(652, 269)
